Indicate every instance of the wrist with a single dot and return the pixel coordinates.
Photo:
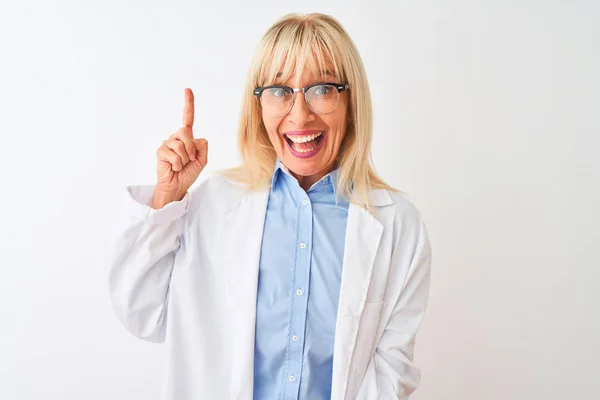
(162, 198)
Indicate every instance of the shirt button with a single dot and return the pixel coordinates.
(299, 292)
(292, 378)
(295, 338)
(304, 202)
(302, 245)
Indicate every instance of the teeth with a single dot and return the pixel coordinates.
(304, 151)
(303, 139)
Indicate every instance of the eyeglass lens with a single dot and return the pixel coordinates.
(321, 99)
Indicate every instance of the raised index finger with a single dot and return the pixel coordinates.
(188, 109)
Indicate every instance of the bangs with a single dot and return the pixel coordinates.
(294, 45)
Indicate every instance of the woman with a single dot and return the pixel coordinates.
(298, 275)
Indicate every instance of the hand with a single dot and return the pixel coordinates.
(181, 158)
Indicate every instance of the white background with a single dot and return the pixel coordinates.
(486, 113)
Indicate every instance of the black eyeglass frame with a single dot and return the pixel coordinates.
(340, 88)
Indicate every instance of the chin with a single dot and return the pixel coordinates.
(303, 167)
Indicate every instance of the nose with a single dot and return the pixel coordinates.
(300, 114)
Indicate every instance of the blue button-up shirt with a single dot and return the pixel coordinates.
(298, 289)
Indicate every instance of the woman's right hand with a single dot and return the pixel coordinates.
(181, 158)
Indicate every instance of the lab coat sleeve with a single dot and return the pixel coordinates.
(141, 259)
(392, 363)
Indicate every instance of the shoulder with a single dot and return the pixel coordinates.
(215, 183)
(405, 208)
(407, 220)
(213, 192)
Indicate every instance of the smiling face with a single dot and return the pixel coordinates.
(308, 143)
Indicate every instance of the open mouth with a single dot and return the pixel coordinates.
(305, 145)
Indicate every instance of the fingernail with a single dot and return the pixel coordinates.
(192, 156)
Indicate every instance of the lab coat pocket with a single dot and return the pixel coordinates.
(365, 340)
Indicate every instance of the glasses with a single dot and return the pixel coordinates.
(321, 98)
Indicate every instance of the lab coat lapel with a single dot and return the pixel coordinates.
(363, 234)
(243, 237)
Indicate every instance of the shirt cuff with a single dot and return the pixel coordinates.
(138, 203)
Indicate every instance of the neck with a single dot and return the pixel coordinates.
(306, 182)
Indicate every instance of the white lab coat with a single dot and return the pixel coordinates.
(187, 275)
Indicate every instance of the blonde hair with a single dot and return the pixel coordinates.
(320, 42)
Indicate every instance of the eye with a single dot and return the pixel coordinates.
(323, 90)
(278, 93)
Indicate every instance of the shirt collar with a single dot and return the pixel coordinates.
(328, 180)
